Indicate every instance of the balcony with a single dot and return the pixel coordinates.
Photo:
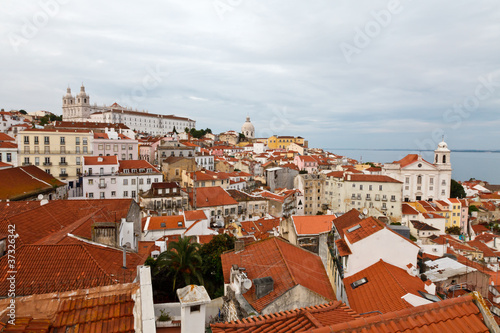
(368, 198)
(384, 198)
(47, 163)
(26, 163)
(63, 175)
(393, 199)
(384, 208)
(63, 163)
(377, 198)
(103, 185)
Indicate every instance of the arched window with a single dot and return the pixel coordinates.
(437, 156)
(419, 180)
(444, 158)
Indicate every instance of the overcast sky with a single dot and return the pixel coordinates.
(344, 74)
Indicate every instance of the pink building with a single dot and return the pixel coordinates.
(307, 163)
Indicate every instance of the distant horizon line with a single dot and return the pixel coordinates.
(426, 150)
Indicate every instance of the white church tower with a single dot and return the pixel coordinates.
(248, 129)
(443, 164)
(76, 108)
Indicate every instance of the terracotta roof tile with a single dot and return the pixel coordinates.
(367, 227)
(136, 164)
(192, 215)
(373, 178)
(287, 264)
(383, 292)
(343, 248)
(296, 320)
(313, 225)
(347, 220)
(211, 197)
(163, 222)
(100, 160)
(452, 315)
(21, 182)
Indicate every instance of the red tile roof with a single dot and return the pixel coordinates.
(368, 227)
(408, 209)
(373, 178)
(100, 160)
(5, 137)
(452, 315)
(211, 197)
(343, 248)
(75, 216)
(192, 215)
(163, 222)
(101, 309)
(22, 182)
(313, 225)
(384, 289)
(347, 220)
(287, 264)
(136, 164)
(409, 159)
(296, 320)
(8, 145)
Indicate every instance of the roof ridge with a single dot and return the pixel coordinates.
(285, 261)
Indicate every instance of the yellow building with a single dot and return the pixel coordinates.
(57, 152)
(282, 142)
(454, 207)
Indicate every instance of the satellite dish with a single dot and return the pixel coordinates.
(40, 197)
(247, 284)
(365, 211)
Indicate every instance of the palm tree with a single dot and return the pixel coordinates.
(181, 261)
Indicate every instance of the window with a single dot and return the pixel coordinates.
(141, 181)
(123, 156)
(63, 160)
(63, 149)
(46, 140)
(100, 146)
(36, 140)
(77, 149)
(115, 147)
(37, 150)
(90, 171)
(9, 157)
(37, 160)
(47, 161)
(125, 194)
(26, 139)
(101, 195)
(84, 141)
(78, 161)
(63, 140)
(77, 140)
(431, 181)
(148, 181)
(133, 194)
(91, 195)
(407, 180)
(125, 182)
(370, 187)
(85, 149)
(380, 187)
(108, 147)
(113, 193)
(419, 180)
(443, 182)
(361, 187)
(129, 156)
(26, 149)
(101, 171)
(91, 182)
(132, 181)
(46, 149)
(130, 147)
(113, 180)
(124, 147)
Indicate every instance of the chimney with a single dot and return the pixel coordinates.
(239, 245)
(124, 256)
(263, 286)
(430, 287)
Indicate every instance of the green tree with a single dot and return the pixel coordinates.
(455, 230)
(212, 264)
(22, 112)
(473, 208)
(181, 263)
(456, 190)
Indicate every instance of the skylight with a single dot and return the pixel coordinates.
(163, 225)
(430, 297)
(356, 227)
(358, 283)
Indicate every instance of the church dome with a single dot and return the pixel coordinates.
(442, 146)
(68, 93)
(82, 92)
(248, 129)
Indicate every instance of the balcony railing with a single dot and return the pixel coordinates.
(104, 185)
(63, 163)
(63, 175)
(47, 163)
(26, 163)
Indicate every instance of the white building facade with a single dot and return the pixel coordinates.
(78, 108)
(421, 179)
